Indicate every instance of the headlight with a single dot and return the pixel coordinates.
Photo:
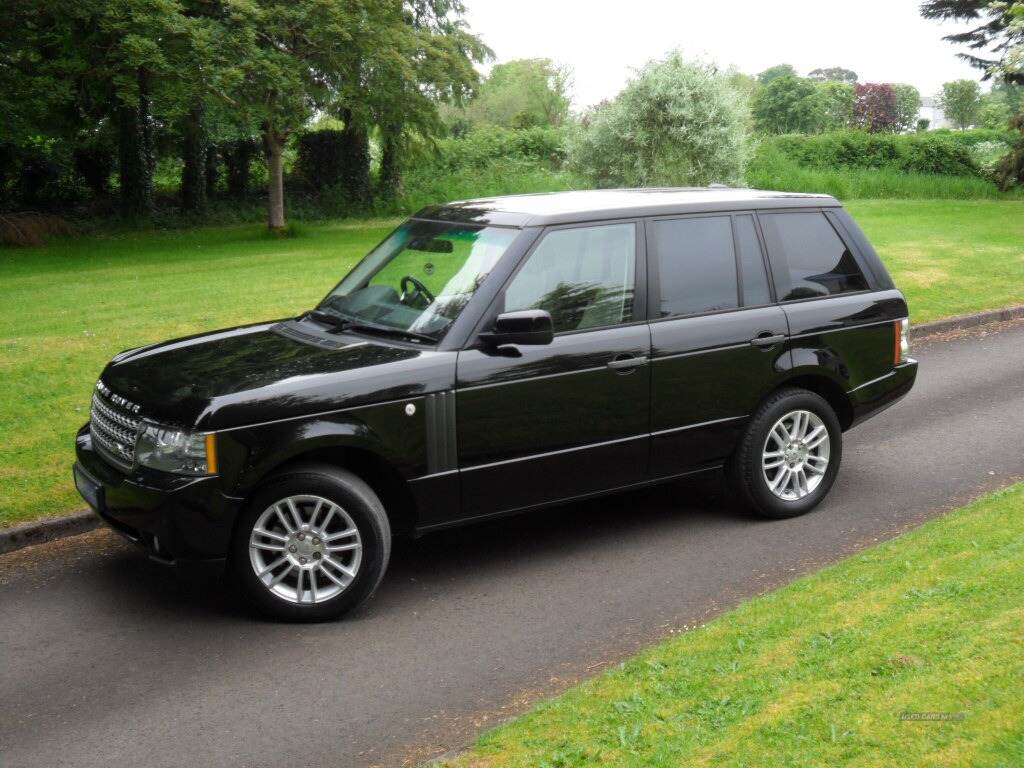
(175, 450)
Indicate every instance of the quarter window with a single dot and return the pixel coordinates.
(808, 257)
(583, 276)
(696, 265)
(753, 276)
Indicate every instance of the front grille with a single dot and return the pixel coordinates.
(114, 425)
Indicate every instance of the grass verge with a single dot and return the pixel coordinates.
(820, 672)
(68, 307)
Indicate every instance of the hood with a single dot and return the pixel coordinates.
(270, 371)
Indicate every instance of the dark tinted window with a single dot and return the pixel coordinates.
(696, 265)
(808, 257)
(583, 276)
(754, 278)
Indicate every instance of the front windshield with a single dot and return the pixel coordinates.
(420, 278)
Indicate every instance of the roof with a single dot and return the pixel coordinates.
(587, 205)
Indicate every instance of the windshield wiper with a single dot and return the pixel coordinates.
(327, 318)
(386, 330)
(340, 323)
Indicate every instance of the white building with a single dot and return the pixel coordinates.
(931, 111)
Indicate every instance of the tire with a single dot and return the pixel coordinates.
(750, 480)
(349, 529)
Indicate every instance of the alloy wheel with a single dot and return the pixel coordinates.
(305, 549)
(795, 455)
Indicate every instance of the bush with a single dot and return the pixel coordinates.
(910, 153)
(483, 146)
(677, 123)
(771, 168)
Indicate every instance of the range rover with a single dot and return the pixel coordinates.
(497, 355)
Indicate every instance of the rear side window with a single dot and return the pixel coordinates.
(696, 265)
(809, 259)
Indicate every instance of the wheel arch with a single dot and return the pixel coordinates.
(375, 470)
(825, 386)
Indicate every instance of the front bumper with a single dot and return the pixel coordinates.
(171, 517)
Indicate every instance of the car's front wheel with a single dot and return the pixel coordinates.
(312, 544)
(788, 457)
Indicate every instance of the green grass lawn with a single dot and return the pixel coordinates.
(819, 672)
(949, 257)
(67, 308)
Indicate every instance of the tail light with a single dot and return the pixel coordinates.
(901, 349)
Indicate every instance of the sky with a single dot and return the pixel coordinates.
(604, 42)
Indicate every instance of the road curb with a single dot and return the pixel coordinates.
(41, 531)
(965, 321)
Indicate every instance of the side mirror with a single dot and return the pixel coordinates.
(529, 326)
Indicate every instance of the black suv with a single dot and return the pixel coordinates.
(496, 355)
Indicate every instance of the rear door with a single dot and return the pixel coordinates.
(718, 342)
(840, 324)
(543, 423)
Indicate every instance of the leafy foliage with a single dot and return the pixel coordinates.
(788, 104)
(960, 101)
(833, 74)
(524, 93)
(908, 105)
(677, 123)
(836, 101)
(875, 109)
(1001, 33)
(772, 73)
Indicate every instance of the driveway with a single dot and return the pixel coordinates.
(109, 659)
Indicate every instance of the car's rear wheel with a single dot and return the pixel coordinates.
(789, 455)
(313, 543)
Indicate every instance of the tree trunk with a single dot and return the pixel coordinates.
(212, 170)
(355, 171)
(391, 162)
(193, 152)
(238, 160)
(274, 146)
(135, 155)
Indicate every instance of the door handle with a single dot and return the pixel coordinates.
(767, 339)
(627, 363)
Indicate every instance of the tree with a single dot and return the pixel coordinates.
(523, 93)
(960, 101)
(836, 103)
(875, 108)
(833, 74)
(1000, 33)
(994, 111)
(908, 105)
(677, 123)
(1010, 169)
(288, 57)
(788, 104)
(772, 73)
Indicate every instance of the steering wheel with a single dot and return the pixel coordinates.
(420, 289)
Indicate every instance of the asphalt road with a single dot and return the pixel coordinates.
(108, 659)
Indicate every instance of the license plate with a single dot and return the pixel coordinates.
(90, 490)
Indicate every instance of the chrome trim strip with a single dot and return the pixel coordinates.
(697, 425)
(844, 328)
(554, 453)
(531, 378)
(873, 381)
(702, 351)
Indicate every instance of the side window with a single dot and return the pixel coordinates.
(808, 257)
(696, 265)
(753, 277)
(583, 276)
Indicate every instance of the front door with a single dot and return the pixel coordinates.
(545, 423)
(718, 340)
